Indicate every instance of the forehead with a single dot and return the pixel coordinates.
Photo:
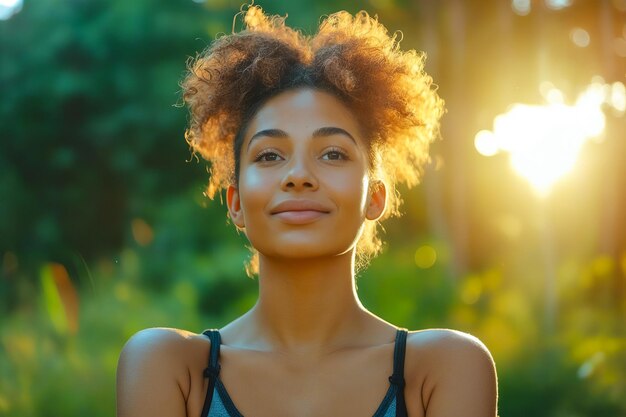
(303, 110)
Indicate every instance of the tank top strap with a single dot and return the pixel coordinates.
(398, 371)
(398, 358)
(216, 341)
(212, 371)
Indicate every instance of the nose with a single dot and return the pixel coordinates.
(299, 176)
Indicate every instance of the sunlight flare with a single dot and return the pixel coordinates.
(9, 7)
(544, 141)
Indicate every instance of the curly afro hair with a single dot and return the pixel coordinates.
(351, 57)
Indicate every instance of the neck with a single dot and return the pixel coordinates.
(307, 305)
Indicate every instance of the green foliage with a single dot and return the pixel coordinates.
(88, 89)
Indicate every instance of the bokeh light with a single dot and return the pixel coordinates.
(142, 232)
(521, 7)
(425, 256)
(558, 4)
(486, 143)
(544, 141)
(580, 37)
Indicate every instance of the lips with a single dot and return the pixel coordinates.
(299, 211)
(299, 205)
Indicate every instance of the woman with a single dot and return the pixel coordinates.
(309, 137)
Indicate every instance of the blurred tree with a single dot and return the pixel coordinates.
(90, 137)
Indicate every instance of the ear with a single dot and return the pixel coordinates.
(377, 200)
(234, 206)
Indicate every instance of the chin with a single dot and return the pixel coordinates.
(304, 243)
(304, 250)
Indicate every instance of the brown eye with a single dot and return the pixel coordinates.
(267, 156)
(335, 155)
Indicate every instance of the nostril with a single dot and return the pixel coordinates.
(298, 181)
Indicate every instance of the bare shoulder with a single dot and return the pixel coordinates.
(442, 342)
(160, 340)
(453, 372)
(153, 373)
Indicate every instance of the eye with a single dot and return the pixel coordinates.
(267, 155)
(335, 154)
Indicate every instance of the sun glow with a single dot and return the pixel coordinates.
(9, 7)
(544, 141)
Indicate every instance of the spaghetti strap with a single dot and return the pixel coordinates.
(392, 405)
(213, 370)
(398, 371)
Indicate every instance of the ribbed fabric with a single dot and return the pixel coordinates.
(219, 404)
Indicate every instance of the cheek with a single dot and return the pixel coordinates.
(352, 188)
(253, 190)
(250, 179)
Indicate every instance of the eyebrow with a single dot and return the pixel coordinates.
(321, 132)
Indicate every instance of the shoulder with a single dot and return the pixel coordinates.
(164, 348)
(450, 353)
(454, 372)
(153, 373)
(439, 343)
(158, 341)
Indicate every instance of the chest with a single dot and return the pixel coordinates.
(353, 382)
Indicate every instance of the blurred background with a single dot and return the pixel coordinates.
(517, 233)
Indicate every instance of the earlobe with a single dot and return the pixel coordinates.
(234, 206)
(377, 201)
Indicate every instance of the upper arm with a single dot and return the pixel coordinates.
(151, 377)
(463, 382)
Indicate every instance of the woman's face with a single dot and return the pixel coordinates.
(304, 189)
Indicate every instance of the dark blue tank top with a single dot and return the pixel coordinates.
(218, 403)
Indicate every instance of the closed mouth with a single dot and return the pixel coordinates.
(299, 206)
